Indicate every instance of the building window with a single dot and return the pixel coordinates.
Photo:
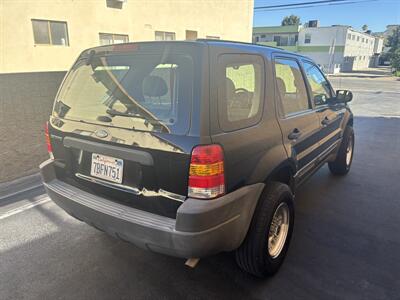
(114, 4)
(263, 36)
(307, 38)
(362, 40)
(191, 35)
(349, 36)
(353, 37)
(111, 38)
(269, 38)
(50, 32)
(358, 39)
(164, 36)
(212, 37)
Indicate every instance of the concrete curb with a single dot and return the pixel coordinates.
(361, 76)
(20, 185)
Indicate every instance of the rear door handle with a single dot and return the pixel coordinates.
(295, 134)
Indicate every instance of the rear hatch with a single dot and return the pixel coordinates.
(126, 119)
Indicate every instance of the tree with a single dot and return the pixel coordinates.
(365, 27)
(395, 59)
(291, 20)
(393, 40)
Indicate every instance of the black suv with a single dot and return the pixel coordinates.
(193, 148)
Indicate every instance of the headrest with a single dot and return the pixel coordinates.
(154, 86)
(230, 88)
(281, 85)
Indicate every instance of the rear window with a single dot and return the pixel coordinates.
(142, 91)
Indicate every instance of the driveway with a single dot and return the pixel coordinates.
(346, 240)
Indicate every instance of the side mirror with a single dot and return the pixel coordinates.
(344, 96)
(320, 99)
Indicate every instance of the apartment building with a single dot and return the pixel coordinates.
(42, 36)
(335, 48)
(279, 36)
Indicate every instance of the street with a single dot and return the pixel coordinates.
(345, 244)
(372, 96)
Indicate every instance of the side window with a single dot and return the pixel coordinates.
(240, 90)
(320, 88)
(290, 86)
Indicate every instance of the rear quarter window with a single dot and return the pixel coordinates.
(240, 90)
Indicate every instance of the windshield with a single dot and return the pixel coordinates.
(141, 91)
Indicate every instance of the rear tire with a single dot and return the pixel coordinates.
(260, 253)
(341, 165)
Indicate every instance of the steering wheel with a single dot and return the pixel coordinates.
(241, 90)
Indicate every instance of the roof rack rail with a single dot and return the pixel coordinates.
(237, 42)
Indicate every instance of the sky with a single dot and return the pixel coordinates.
(375, 13)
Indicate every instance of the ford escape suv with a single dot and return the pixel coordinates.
(194, 148)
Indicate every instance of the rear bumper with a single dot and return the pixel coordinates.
(201, 227)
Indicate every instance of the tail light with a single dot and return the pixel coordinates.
(206, 175)
(48, 142)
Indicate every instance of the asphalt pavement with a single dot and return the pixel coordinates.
(373, 97)
(346, 242)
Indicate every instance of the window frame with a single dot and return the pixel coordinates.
(278, 102)
(332, 91)
(212, 37)
(67, 44)
(164, 33)
(224, 124)
(113, 37)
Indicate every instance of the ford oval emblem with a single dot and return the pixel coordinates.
(101, 133)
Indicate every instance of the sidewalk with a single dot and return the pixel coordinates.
(380, 72)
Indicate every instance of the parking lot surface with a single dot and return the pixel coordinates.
(346, 241)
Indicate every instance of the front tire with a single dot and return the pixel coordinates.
(341, 165)
(267, 240)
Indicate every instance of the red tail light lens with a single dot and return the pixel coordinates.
(206, 175)
(48, 142)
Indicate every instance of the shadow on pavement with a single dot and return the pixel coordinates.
(345, 245)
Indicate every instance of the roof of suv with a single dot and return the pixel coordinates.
(226, 43)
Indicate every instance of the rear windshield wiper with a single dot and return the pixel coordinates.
(152, 121)
(113, 113)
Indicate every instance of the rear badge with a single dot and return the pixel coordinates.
(101, 133)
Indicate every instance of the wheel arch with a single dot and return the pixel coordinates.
(284, 173)
(347, 119)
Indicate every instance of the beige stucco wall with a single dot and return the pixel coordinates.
(227, 19)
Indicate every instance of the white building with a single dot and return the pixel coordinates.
(336, 48)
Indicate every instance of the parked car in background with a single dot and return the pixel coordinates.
(194, 148)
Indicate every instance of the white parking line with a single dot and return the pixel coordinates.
(24, 207)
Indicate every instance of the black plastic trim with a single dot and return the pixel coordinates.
(144, 158)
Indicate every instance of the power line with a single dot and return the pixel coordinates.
(309, 4)
(297, 4)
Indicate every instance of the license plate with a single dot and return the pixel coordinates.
(107, 167)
